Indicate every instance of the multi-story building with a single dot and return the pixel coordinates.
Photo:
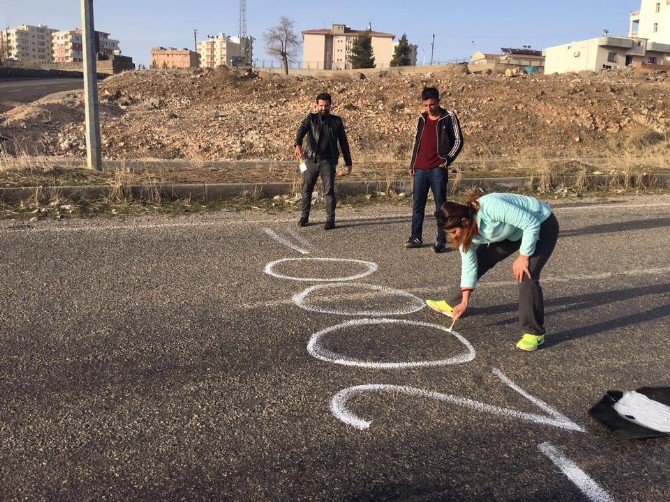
(647, 43)
(68, 45)
(526, 59)
(330, 49)
(224, 50)
(26, 43)
(651, 22)
(174, 58)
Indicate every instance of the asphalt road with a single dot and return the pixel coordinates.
(15, 91)
(168, 358)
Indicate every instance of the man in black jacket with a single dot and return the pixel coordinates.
(320, 155)
(437, 143)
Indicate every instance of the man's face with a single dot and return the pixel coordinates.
(323, 107)
(431, 106)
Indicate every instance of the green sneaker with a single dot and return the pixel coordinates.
(530, 342)
(440, 306)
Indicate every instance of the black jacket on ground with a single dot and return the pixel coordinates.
(449, 137)
(323, 133)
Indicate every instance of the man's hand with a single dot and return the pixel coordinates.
(342, 173)
(520, 267)
(298, 153)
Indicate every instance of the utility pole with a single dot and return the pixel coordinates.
(432, 49)
(91, 105)
(195, 39)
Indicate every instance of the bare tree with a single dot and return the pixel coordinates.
(282, 42)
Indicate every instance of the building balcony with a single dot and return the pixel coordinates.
(624, 43)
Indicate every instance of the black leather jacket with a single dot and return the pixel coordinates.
(449, 137)
(323, 133)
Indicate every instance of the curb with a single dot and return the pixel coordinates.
(218, 191)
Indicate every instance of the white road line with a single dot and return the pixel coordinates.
(299, 238)
(584, 482)
(18, 90)
(284, 241)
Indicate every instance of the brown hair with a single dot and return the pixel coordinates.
(453, 215)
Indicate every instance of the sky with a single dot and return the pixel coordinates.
(460, 28)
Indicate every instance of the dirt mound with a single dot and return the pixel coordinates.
(228, 114)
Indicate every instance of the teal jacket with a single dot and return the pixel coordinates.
(504, 216)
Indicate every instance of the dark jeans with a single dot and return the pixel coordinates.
(531, 301)
(325, 169)
(436, 180)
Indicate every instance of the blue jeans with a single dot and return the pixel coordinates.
(434, 179)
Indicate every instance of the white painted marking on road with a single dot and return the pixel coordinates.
(284, 241)
(371, 269)
(299, 238)
(415, 305)
(574, 473)
(18, 90)
(40, 87)
(315, 349)
(537, 402)
(338, 406)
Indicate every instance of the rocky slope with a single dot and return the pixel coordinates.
(224, 114)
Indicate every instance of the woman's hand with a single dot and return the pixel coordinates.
(520, 267)
(298, 153)
(459, 310)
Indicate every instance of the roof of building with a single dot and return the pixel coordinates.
(348, 32)
(526, 51)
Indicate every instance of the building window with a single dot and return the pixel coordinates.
(658, 6)
(611, 57)
(651, 60)
(655, 27)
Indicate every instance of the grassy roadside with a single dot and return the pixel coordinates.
(547, 178)
(58, 208)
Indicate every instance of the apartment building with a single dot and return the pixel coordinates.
(225, 50)
(30, 44)
(174, 58)
(525, 59)
(68, 46)
(647, 44)
(651, 22)
(330, 49)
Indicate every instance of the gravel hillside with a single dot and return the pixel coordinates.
(227, 115)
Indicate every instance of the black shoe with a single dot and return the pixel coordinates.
(302, 222)
(329, 225)
(413, 242)
(439, 248)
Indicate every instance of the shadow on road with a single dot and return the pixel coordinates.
(617, 227)
(596, 299)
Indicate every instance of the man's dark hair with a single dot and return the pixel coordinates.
(324, 96)
(430, 93)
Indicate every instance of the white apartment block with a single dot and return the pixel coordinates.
(329, 49)
(220, 50)
(31, 44)
(652, 21)
(647, 43)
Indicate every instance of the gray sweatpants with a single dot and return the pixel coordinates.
(531, 301)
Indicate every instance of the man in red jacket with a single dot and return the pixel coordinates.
(437, 143)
